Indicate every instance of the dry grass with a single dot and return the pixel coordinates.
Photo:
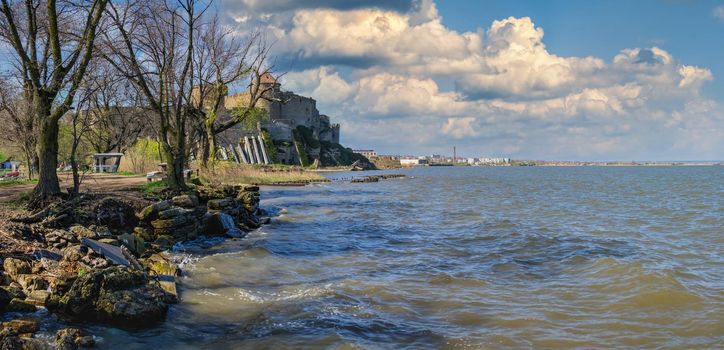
(225, 173)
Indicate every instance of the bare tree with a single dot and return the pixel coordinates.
(53, 43)
(152, 45)
(82, 121)
(223, 58)
(19, 122)
(114, 108)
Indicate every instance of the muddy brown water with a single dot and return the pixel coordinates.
(464, 258)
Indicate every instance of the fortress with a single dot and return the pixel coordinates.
(286, 112)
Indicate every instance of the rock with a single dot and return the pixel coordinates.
(38, 297)
(115, 213)
(165, 271)
(99, 263)
(173, 212)
(134, 243)
(44, 254)
(14, 290)
(23, 325)
(82, 231)
(65, 339)
(149, 213)
(13, 267)
(168, 223)
(5, 299)
(180, 233)
(18, 305)
(86, 342)
(5, 279)
(116, 296)
(103, 232)
(31, 282)
(143, 232)
(64, 280)
(117, 255)
(111, 241)
(74, 252)
(213, 225)
(14, 342)
(185, 201)
(199, 212)
(71, 339)
(223, 224)
(36, 268)
(219, 204)
(164, 241)
(249, 200)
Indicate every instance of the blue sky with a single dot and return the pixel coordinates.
(686, 28)
(524, 79)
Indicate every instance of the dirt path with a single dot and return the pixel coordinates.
(92, 182)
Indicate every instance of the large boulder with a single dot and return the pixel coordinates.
(134, 243)
(31, 282)
(220, 204)
(14, 267)
(23, 325)
(71, 339)
(185, 201)
(82, 231)
(149, 213)
(115, 295)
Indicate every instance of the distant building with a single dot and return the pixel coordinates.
(368, 153)
(413, 161)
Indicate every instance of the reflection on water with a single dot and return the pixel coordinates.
(464, 258)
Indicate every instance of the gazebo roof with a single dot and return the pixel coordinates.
(108, 155)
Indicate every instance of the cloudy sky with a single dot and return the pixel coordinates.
(593, 80)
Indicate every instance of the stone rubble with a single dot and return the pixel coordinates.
(79, 282)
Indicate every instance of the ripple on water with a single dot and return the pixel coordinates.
(465, 258)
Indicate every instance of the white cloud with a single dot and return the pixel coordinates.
(718, 12)
(403, 80)
(460, 127)
(691, 75)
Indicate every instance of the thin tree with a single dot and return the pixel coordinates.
(115, 110)
(224, 59)
(152, 45)
(53, 43)
(18, 120)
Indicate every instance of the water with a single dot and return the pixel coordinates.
(465, 258)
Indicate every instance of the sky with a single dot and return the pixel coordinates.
(559, 80)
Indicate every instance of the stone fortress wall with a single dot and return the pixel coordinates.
(287, 110)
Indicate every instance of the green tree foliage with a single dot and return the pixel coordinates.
(249, 117)
(143, 156)
(271, 149)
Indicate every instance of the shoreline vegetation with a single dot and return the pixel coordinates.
(105, 256)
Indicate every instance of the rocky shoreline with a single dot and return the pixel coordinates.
(105, 259)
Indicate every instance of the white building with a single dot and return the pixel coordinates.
(368, 153)
(413, 161)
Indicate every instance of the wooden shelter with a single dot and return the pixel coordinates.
(106, 162)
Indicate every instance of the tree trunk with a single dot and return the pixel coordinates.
(29, 160)
(174, 171)
(74, 167)
(47, 157)
(210, 148)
